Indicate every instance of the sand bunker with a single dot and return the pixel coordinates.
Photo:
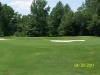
(67, 40)
(3, 39)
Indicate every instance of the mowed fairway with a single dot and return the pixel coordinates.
(40, 56)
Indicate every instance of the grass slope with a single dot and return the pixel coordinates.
(39, 56)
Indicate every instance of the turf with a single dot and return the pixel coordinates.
(40, 56)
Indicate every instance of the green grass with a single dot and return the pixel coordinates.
(39, 56)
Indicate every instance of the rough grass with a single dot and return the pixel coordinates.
(39, 56)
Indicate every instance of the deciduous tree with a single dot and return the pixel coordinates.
(55, 19)
(39, 12)
(6, 16)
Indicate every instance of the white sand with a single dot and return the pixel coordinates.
(3, 39)
(67, 40)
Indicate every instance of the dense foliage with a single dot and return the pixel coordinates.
(61, 21)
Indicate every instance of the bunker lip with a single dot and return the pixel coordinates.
(3, 39)
(67, 40)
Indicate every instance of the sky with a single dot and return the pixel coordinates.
(23, 6)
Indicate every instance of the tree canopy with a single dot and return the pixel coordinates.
(61, 21)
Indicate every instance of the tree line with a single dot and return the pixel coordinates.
(61, 21)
